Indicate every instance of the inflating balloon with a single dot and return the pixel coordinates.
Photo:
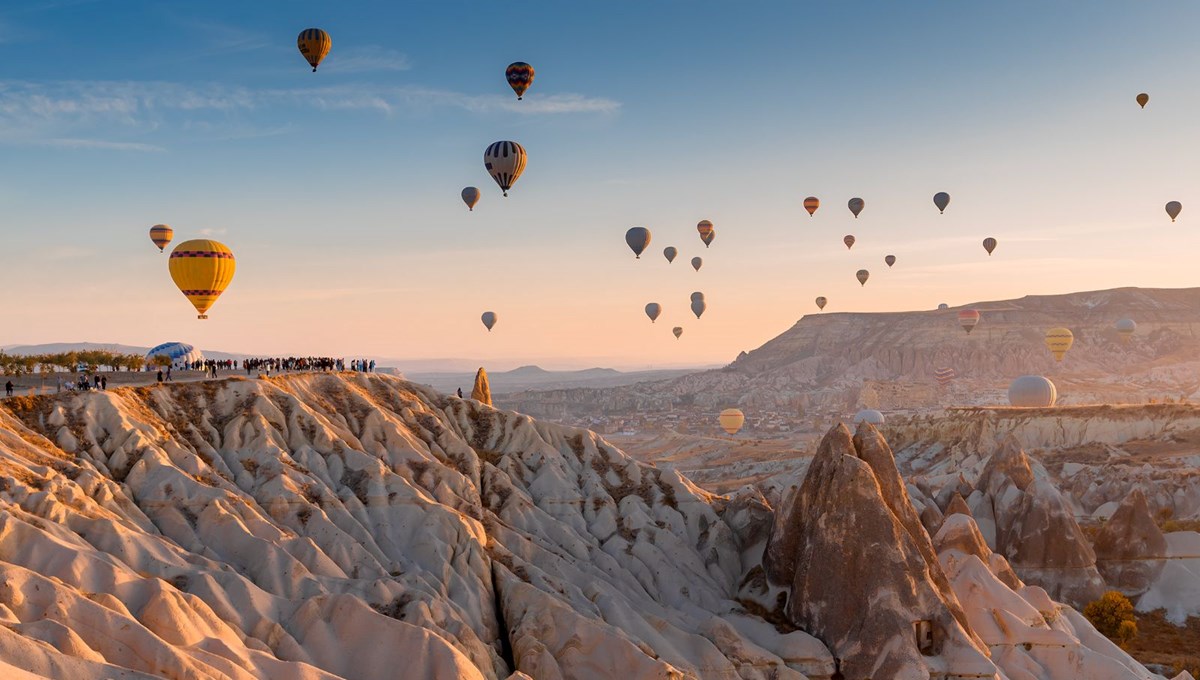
(314, 44)
(941, 199)
(1032, 391)
(869, 415)
(707, 232)
(856, 206)
(862, 275)
(653, 309)
(470, 196)
(1173, 209)
(821, 302)
(731, 420)
(669, 252)
(1125, 330)
(489, 320)
(890, 260)
(161, 235)
(968, 319)
(696, 263)
(989, 244)
(505, 161)
(943, 307)
(1059, 341)
(811, 204)
(519, 76)
(202, 269)
(637, 238)
(848, 239)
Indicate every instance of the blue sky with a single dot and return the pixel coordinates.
(339, 190)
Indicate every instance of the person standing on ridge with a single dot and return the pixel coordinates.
(160, 376)
(8, 388)
(460, 393)
(104, 383)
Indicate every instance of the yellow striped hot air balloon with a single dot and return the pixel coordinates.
(731, 420)
(202, 269)
(161, 234)
(1059, 341)
(314, 44)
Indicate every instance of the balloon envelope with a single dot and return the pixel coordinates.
(943, 307)
(179, 353)
(678, 331)
(638, 238)
(202, 269)
(314, 44)
(696, 263)
(1173, 209)
(505, 161)
(1059, 341)
(653, 309)
(862, 275)
(669, 252)
(470, 196)
(731, 420)
(1125, 329)
(707, 232)
(890, 260)
(488, 319)
(697, 296)
(811, 204)
(848, 239)
(945, 375)
(161, 235)
(1032, 391)
(856, 206)
(698, 307)
(519, 76)
(968, 318)
(1143, 99)
(869, 415)
(989, 244)
(941, 199)
(821, 302)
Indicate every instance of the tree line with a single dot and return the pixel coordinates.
(69, 362)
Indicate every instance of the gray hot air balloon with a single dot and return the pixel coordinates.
(856, 206)
(638, 238)
(697, 262)
(653, 309)
(698, 306)
(943, 307)
(1032, 391)
(989, 244)
(678, 331)
(821, 302)
(697, 296)
(489, 320)
(890, 260)
(869, 415)
(470, 196)
(1173, 209)
(1125, 330)
(941, 199)
(669, 252)
(862, 275)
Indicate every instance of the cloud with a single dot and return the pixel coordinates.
(367, 58)
(72, 143)
(213, 232)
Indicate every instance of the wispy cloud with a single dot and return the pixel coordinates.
(367, 58)
(213, 232)
(75, 143)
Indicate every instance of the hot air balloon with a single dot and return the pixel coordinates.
(862, 275)
(1173, 209)
(519, 76)
(945, 375)
(989, 244)
(1058, 341)
(637, 238)
(890, 260)
(869, 415)
(697, 262)
(856, 206)
(731, 420)
(1125, 330)
(489, 320)
(653, 309)
(202, 269)
(161, 235)
(968, 318)
(943, 307)
(707, 232)
(821, 302)
(697, 296)
(848, 239)
(941, 199)
(1143, 99)
(669, 252)
(678, 331)
(505, 161)
(698, 306)
(811, 204)
(314, 44)
(181, 354)
(1032, 391)
(470, 196)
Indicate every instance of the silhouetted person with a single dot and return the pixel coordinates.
(460, 393)
(104, 383)
(8, 388)
(160, 376)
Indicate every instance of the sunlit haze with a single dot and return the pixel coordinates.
(339, 191)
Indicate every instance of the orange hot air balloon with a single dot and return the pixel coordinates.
(519, 76)
(161, 235)
(202, 269)
(707, 232)
(314, 44)
(811, 204)
(968, 319)
(731, 420)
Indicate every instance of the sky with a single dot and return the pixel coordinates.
(339, 191)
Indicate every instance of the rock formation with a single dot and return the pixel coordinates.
(482, 392)
(1130, 548)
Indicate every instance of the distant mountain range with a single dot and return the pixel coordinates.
(528, 378)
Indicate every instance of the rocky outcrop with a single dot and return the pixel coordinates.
(1130, 548)
(862, 570)
(482, 391)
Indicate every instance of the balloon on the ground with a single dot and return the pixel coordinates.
(707, 232)
(945, 375)
(989, 244)
(890, 260)
(678, 331)
(202, 269)
(731, 420)
(943, 307)
(862, 275)
(1059, 341)
(670, 252)
(638, 238)
(314, 44)
(856, 206)
(1143, 99)
(161, 235)
(869, 415)
(519, 76)
(848, 239)
(1173, 209)
(1032, 391)
(968, 319)
(821, 302)
(181, 354)
(811, 204)
(941, 199)
(505, 161)
(489, 320)
(653, 309)
(698, 306)
(1125, 330)
(470, 196)
(697, 262)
